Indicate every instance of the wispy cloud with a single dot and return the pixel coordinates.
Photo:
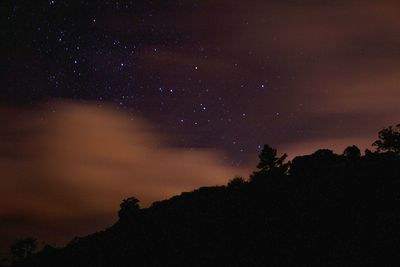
(65, 169)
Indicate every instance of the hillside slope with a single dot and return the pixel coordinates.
(322, 210)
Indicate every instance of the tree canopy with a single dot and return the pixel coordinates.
(352, 152)
(128, 207)
(270, 163)
(389, 140)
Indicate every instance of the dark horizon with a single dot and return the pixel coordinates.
(322, 208)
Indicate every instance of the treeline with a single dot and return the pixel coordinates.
(322, 209)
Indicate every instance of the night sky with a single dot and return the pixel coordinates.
(202, 84)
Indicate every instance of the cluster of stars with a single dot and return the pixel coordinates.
(91, 58)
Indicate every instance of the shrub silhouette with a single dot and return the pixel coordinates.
(128, 208)
(352, 152)
(236, 182)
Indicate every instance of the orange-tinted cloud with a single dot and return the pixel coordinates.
(65, 169)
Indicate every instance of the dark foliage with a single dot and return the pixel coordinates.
(389, 140)
(352, 152)
(270, 164)
(236, 182)
(22, 249)
(320, 210)
(128, 208)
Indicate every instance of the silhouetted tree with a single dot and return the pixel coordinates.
(128, 207)
(269, 160)
(323, 153)
(269, 163)
(389, 140)
(352, 152)
(22, 249)
(236, 182)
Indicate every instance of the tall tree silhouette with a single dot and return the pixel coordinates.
(270, 163)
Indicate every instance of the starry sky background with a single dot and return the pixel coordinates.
(214, 80)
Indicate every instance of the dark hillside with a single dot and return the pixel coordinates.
(318, 210)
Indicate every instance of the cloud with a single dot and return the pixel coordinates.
(66, 168)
